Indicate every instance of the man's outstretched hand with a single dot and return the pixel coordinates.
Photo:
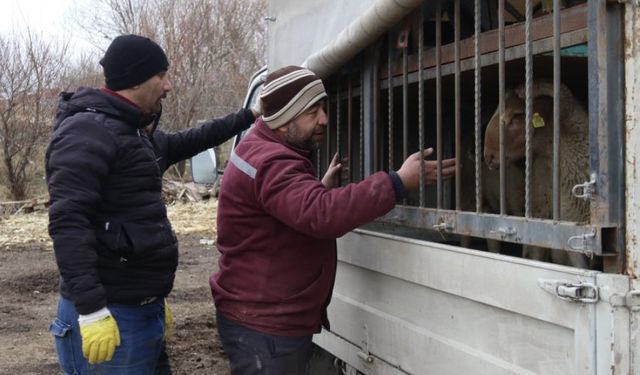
(409, 172)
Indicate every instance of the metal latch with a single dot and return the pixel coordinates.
(443, 226)
(571, 291)
(581, 242)
(587, 190)
(630, 299)
(504, 232)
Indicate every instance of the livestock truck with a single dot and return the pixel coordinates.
(442, 284)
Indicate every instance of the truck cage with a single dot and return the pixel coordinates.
(419, 80)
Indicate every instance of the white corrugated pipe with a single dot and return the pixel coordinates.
(363, 31)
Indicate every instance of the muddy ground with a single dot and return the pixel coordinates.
(28, 284)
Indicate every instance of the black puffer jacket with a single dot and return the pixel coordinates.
(111, 236)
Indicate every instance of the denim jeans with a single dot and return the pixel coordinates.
(141, 350)
(255, 353)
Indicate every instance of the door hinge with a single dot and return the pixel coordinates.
(364, 353)
(571, 291)
(631, 300)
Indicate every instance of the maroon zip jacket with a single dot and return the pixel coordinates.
(277, 226)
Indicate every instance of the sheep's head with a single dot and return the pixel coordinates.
(514, 133)
(515, 126)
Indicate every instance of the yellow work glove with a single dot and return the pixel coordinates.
(100, 335)
(168, 321)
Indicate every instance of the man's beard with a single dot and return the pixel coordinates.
(293, 139)
(307, 144)
(157, 106)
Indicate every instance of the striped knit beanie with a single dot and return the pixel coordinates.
(287, 93)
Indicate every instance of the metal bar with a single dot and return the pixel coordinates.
(632, 144)
(390, 88)
(556, 110)
(338, 99)
(421, 106)
(606, 120)
(349, 125)
(327, 156)
(439, 142)
(572, 20)
(528, 106)
(501, 89)
(369, 107)
(405, 105)
(375, 142)
(513, 53)
(478, 108)
(568, 236)
(361, 139)
(597, 97)
(458, 109)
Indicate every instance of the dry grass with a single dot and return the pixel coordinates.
(186, 218)
(23, 229)
(196, 217)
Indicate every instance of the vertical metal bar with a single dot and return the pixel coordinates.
(421, 105)
(477, 103)
(390, 99)
(375, 155)
(405, 104)
(327, 156)
(501, 88)
(349, 124)
(361, 139)
(556, 110)
(338, 112)
(528, 105)
(458, 109)
(632, 145)
(370, 86)
(606, 122)
(439, 101)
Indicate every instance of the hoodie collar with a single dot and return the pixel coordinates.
(88, 99)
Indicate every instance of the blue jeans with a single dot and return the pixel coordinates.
(255, 353)
(142, 346)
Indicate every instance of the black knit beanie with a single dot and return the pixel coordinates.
(131, 60)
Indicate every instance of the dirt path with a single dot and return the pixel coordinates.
(28, 284)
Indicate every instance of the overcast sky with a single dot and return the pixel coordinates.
(47, 17)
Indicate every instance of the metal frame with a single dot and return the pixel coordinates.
(598, 22)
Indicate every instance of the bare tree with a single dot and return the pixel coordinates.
(30, 69)
(213, 46)
(83, 71)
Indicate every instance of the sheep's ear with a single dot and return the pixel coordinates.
(543, 106)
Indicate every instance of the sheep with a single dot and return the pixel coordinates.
(574, 157)
(490, 189)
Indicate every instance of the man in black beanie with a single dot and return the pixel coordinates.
(113, 243)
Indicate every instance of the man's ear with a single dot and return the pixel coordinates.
(284, 129)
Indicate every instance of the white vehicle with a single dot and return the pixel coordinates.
(409, 299)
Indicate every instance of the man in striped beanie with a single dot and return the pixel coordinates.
(287, 94)
(278, 224)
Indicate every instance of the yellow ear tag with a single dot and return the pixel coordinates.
(537, 120)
